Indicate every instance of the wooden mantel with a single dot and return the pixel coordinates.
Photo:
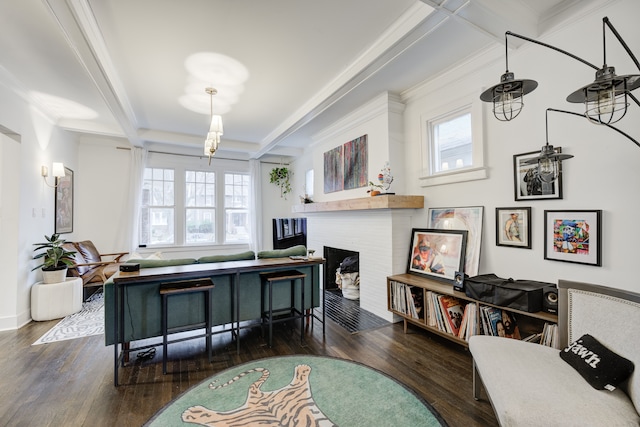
(365, 203)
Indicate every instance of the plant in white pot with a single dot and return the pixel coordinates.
(56, 259)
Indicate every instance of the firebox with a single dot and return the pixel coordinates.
(342, 272)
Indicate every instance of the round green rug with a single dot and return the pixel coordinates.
(299, 390)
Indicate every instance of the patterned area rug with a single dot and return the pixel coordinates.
(299, 390)
(87, 322)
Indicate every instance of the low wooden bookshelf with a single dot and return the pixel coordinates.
(418, 300)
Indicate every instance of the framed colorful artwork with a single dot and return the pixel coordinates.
(573, 236)
(513, 227)
(438, 254)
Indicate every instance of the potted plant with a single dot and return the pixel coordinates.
(374, 189)
(56, 259)
(281, 177)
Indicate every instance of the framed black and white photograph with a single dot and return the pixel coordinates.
(573, 236)
(437, 254)
(528, 185)
(64, 203)
(513, 227)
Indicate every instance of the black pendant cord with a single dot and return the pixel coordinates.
(584, 116)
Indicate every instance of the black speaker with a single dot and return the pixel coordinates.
(550, 299)
(458, 281)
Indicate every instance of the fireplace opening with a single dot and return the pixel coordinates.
(342, 273)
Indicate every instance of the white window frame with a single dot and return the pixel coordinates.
(428, 177)
(180, 164)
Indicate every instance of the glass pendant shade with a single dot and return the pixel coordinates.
(216, 125)
(606, 99)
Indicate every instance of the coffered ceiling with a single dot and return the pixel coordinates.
(284, 69)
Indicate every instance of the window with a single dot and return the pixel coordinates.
(451, 142)
(200, 202)
(187, 205)
(236, 207)
(158, 207)
(453, 147)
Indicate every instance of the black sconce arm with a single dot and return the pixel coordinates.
(509, 33)
(582, 115)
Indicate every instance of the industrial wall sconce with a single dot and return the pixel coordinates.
(606, 99)
(215, 129)
(57, 170)
(548, 160)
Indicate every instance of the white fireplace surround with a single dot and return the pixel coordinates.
(381, 237)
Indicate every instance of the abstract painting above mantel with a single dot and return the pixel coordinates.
(345, 167)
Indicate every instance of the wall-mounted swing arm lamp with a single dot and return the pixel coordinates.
(215, 129)
(548, 161)
(57, 170)
(605, 100)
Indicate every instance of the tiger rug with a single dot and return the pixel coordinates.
(291, 405)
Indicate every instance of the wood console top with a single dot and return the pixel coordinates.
(145, 275)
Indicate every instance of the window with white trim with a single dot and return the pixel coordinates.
(183, 205)
(157, 216)
(200, 210)
(236, 207)
(453, 145)
(451, 142)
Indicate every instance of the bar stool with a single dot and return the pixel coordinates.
(205, 286)
(267, 280)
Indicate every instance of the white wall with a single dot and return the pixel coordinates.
(28, 220)
(603, 174)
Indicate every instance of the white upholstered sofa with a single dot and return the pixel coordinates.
(531, 385)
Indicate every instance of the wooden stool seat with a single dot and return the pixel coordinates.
(205, 286)
(267, 315)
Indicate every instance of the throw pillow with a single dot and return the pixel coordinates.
(601, 367)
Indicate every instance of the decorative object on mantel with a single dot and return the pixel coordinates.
(56, 259)
(385, 178)
(605, 100)
(281, 177)
(372, 189)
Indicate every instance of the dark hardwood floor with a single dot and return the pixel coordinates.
(70, 383)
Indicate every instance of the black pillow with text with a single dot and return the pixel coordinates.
(601, 367)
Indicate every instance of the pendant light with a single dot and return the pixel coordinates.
(212, 141)
(606, 99)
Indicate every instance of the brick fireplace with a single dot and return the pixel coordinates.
(380, 236)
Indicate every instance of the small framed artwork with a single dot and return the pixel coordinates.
(573, 236)
(527, 183)
(438, 254)
(64, 203)
(513, 227)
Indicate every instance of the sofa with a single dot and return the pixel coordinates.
(143, 311)
(589, 381)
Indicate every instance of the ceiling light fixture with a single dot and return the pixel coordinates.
(57, 170)
(605, 100)
(215, 129)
